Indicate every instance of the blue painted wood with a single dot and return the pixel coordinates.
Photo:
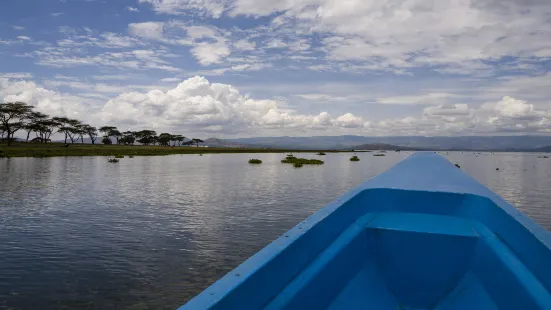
(422, 235)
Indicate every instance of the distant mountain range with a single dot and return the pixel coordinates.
(480, 143)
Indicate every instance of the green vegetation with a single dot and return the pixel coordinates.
(119, 156)
(131, 156)
(255, 161)
(113, 160)
(321, 153)
(22, 149)
(354, 158)
(303, 161)
(297, 165)
(379, 155)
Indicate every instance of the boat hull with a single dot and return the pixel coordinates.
(422, 235)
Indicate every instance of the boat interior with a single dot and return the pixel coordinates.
(403, 249)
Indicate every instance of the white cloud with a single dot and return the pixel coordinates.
(23, 38)
(16, 75)
(56, 14)
(148, 30)
(429, 98)
(170, 80)
(47, 101)
(244, 45)
(18, 27)
(132, 9)
(213, 8)
(451, 36)
(276, 43)
(205, 106)
(197, 105)
(135, 59)
(210, 53)
(514, 108)
(349, 120)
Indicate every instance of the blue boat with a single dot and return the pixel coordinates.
(420, 236)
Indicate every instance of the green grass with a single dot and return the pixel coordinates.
(297, 165)
(255, 161)
(354, 158)
(119, 156)
(302, 161)
(19, 149)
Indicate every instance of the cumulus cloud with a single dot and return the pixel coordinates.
(199, 103)
(349, 120)
(47, 101)
(199, 106)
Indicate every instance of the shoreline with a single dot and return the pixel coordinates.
(59, 150)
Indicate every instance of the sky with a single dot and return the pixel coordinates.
(242, 68)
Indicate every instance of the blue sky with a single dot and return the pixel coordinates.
(293, 67)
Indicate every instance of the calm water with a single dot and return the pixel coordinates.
(151, 232)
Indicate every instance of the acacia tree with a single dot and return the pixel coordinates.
(63, 126)
(46, 128)
(128, 137)
(179, 139)
(117, 134)
(33, 120)
(13, 116)
(146, 137)
(72, 129)
(92, 132)
(107, 130)
(164, 139)
(197, 141)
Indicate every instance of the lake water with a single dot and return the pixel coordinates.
(152, 232)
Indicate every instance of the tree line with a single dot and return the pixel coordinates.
(20, 117)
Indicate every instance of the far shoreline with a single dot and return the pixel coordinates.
(55, 149)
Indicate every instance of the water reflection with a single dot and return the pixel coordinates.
(151, 232)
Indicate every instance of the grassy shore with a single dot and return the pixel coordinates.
(58, 149)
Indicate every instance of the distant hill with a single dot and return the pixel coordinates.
(382, 146)
(482, 143)
(214, 142)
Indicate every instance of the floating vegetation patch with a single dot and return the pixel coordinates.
(113, 160)
(354, 158)
(297, 165)
(131, 156)
(457, 165)
(255, 161)
(321, 153)
(379, 155)
(544, 156)
(293, 160)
